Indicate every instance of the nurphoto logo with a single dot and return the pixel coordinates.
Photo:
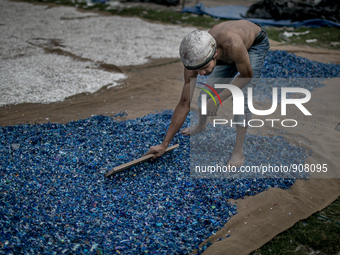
(238, 104)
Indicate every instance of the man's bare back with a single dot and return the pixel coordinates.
(230, 34)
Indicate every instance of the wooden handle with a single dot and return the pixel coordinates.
(122, 167)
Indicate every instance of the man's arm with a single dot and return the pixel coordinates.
(179, 116)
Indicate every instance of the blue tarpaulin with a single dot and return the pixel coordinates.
(239, 12)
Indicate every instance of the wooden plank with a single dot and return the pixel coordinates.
(122, 167)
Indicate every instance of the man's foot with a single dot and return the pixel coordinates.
(236, 160)
(195, 130)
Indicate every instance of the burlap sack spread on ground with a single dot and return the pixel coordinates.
(265, 215)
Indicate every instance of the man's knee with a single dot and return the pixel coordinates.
(242, 120)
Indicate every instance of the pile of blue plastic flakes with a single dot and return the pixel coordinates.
(283, 69)
(56, 200)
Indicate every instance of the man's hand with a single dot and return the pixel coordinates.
(158, 150)
(211, 108)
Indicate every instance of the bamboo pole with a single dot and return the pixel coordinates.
(122, 167)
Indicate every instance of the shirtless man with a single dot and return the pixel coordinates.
(232, 49)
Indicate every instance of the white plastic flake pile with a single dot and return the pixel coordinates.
(29, 74)
(52, 79)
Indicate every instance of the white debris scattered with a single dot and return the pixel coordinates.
(335, 43)
(311, 40)
(290, 34)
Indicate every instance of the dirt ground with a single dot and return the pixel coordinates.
(158, 84)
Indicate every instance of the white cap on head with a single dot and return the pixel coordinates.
(197, 49)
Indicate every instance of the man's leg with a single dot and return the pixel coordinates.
(257, 55)
(237, 157)
(241, 121)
